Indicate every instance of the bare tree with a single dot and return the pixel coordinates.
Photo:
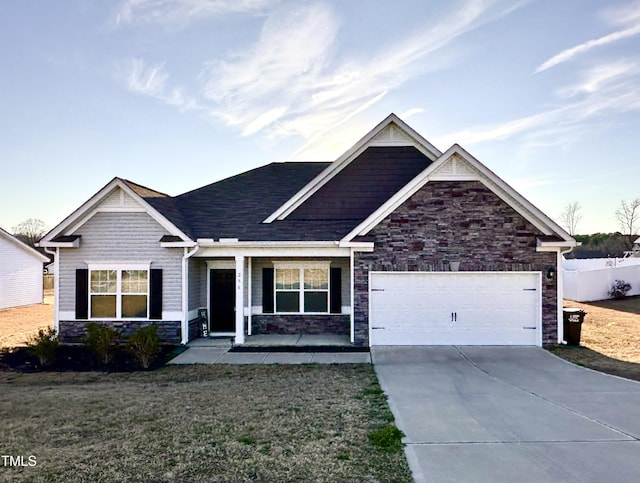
(570, 217)
(30, 231)
(628, 216)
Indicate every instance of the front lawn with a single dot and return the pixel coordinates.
(198, 423)
(610, 339)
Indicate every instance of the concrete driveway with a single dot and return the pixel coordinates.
(503, 414)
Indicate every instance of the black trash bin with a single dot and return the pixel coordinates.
(573, 319)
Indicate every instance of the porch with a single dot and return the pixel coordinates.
(274, 349)
(281, 342)
(271, 301)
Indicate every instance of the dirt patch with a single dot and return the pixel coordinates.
(612, 327)
(18, 324)
(610, 339)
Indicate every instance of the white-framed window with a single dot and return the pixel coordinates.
(301, 287)
(118, 292)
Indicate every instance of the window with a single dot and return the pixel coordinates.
(118, 293)
(304, 289)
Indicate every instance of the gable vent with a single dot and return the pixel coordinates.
(392, 136)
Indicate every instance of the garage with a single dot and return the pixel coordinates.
(455, 308)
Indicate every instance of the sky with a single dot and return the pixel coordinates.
(177, 94)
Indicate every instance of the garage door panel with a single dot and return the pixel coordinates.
(465, 308)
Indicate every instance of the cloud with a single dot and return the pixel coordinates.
(276, 88)
(568, 54)
(290, 81)
(151, 80)
(610, 88)
(180, 12)
(602, 76)
(626, 16)
(410, 112)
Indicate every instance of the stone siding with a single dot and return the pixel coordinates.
(454, 221)
(74, 331)
(331, 324)
(195, 329)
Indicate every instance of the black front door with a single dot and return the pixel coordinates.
(223, 300)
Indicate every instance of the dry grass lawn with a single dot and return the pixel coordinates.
(198, 423)
(610, 339)
(16, 325)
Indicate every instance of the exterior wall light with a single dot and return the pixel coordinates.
(551, 274)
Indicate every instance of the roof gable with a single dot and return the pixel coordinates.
(9, 238)
(117, 195)
(365, 184)
(392, 131)
(456, 164)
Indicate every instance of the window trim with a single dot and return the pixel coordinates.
(118, 268)
(301, 266)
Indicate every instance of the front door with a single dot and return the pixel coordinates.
(222, 296)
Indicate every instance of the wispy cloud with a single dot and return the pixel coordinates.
(602, 76)
(277, 88)
(180, 12)
(410, 112)
(151, 80)
(626, 14)
(568, 54)
(625, 17)
(610, 88)
(290, 81)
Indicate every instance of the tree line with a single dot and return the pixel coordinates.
(604, 244)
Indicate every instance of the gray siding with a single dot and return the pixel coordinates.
(259, 263)
(20, 276)
(122, 237)
(197, 283)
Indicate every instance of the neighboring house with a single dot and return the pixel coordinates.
(20, 272)
(394, 242)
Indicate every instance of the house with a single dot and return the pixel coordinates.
(20, 272)
(395, 242)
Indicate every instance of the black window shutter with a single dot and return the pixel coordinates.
(336, 291)
(155, 302)
(82, 293)
(267, 290)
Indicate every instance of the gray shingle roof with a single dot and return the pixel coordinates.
(236, 207)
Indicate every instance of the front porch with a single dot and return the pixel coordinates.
(274, 349)
(271, 301)
(280, 343)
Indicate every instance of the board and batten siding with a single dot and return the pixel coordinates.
(122, 237)
(20, 276)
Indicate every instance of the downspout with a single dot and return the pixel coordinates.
(560, 297)
(56, 288)
(185, 291)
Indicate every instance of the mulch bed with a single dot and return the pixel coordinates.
(79, 358)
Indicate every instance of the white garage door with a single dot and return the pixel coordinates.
(455, 308)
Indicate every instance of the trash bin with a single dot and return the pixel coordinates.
(573, 319)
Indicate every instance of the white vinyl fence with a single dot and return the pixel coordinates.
(590, 279)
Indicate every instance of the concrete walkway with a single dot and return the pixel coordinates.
(216, 351)
(504, 414)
